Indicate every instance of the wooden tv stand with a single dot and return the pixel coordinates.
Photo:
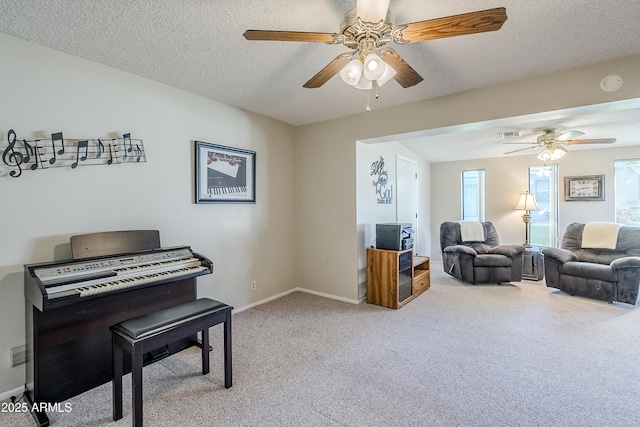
(396, 277)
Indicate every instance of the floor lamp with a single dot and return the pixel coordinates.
(527, 203)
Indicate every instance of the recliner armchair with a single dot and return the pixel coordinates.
(479, 261)
(598, 273)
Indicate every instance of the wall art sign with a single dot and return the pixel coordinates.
(587, 188)
(19, 155)
(224, 174)
(385, 195)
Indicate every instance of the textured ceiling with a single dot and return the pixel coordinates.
(197, 45)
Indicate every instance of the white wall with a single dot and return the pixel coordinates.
(507, 177)
(45, 91)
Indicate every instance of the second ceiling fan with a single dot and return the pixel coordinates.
(552, 141)
(366, 30)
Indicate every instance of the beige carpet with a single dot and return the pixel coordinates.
(459, 355)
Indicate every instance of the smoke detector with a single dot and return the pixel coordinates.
(611, 83)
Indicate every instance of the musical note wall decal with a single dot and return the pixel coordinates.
(100, 149)
(11, 157)
(32, 154)
(38, 157)
(54, 138)
(110, 156)
(81, 144)
(28, 149)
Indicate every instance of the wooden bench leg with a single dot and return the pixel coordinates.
(228, 380)
(136, 385)
(205, 351)
(116, 363)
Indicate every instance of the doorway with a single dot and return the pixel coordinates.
(407, 190)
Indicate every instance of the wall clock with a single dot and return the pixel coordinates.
(586, 188)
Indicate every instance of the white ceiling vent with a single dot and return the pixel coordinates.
(512, 134)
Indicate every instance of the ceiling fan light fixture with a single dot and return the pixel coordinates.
(557, 153)
(552, 154)
(545, 156)
(374, 68)
(364, 84)
(352, 72)
(388, 74)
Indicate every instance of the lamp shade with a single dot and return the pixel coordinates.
(527, 202)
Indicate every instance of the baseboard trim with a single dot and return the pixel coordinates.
(322, 294)
(290, 291)
(17, 392)
(257, 303)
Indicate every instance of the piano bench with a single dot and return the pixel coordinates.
(151, 331)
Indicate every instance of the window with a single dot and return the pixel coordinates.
(627, 191)
(473, 207)
(543, 183)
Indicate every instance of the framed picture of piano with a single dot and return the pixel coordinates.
(224, 174)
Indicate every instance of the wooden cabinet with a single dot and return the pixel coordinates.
(396, 277)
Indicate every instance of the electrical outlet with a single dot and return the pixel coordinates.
(253, 285)
(18, 355)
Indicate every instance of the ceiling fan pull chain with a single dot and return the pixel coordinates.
(368, 106)
(376, 85)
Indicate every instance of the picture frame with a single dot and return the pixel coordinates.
(584, 188)
(224, 174)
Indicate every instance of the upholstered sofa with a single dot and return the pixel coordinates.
(482, 260)
(607, 274)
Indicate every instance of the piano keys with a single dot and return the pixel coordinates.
(84, 278)
(71, 304)
(226, 190)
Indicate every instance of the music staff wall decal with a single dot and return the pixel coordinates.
(19, 155)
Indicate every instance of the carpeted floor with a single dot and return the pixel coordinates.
(458, 355)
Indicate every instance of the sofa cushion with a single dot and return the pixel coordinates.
(599, 256)
(588, 269)
(492, 260)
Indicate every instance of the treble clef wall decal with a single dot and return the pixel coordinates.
(11, 157)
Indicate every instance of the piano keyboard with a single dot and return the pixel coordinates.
(91, 277)
(86, 291)
(227, 190)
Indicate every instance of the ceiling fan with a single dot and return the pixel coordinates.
(552, 141)
(370, 26)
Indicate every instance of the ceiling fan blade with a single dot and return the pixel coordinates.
(521, 149)
(455, 25)
(288, 36)
(592, 141)
(406, 76)
(570, 134)
(330, 70)
(372, 11)
(520, 143)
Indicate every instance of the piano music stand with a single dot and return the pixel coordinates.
(113, 243)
